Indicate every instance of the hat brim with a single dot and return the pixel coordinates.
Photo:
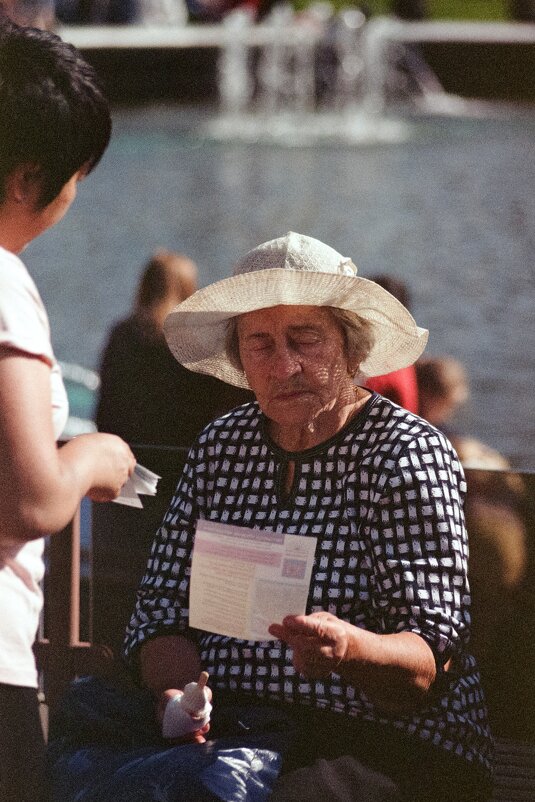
(195, 330)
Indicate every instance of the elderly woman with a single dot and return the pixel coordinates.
(383, 700)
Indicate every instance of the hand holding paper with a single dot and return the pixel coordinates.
(142, 482)
(319, 642)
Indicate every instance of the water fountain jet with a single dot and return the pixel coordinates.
(299, 79)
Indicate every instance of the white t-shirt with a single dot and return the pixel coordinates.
(24, 326)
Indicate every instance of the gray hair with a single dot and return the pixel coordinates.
(357, 332)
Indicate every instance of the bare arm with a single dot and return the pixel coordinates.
(42, 485)
(395, 671)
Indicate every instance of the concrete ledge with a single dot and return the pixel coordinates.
(120, 37)
(491, 61)
(180, 37)
(140, 63)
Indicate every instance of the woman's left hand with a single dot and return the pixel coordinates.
(319, 642)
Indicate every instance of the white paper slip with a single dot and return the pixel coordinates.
(146, 481)
(243, 580)
(142, 482)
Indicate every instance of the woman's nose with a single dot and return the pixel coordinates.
(284, 363)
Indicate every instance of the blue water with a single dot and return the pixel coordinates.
(450, 208)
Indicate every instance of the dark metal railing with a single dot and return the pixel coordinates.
(60, 654)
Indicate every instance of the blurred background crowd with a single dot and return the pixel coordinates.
(47, 13)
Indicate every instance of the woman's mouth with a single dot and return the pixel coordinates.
(289, 395)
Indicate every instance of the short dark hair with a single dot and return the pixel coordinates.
(53, 112)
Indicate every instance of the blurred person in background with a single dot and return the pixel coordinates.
(34, 13)
(493, 509)
(442, 389)
(145, 395)
(401, 386)
(217, 10)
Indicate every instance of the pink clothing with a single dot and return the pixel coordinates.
(400, 387)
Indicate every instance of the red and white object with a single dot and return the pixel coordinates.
(188, 711)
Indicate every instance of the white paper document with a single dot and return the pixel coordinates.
(243, 580)
(142, 482)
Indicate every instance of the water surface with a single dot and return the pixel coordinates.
(449, 207)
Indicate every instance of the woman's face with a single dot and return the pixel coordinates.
(53, 212)
(23, 218)
(295, 362)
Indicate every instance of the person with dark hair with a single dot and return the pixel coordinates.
(54, 127)
(145, 395)
(400, 386)
(442, 389)
(53, 118)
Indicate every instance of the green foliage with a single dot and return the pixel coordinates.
(485, 10)
(482, 10)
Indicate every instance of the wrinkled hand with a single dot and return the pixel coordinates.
(195, 737)
(319, 642)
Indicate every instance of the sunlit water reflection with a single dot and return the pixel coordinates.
(448, 205)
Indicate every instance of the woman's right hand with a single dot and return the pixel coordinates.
(114, 464)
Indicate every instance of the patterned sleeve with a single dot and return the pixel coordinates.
(162, 598)
(419, 543)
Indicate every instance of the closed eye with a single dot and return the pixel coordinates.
(305, 340)
(257, 342)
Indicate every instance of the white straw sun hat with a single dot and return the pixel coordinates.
(290, 270)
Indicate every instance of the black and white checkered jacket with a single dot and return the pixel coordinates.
(384, 498)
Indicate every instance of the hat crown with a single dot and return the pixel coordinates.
(295, 252)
